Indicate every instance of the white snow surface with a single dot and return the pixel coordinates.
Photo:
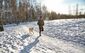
(59, 36)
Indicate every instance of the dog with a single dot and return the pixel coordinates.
(31, 30)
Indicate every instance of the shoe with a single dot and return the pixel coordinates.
(39, 35)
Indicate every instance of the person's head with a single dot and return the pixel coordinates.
(41, 17)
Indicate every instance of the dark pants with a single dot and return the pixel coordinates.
(40, 29)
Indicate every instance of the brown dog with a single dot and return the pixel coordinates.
(31, 31)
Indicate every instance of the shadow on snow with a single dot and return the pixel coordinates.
(28, 47)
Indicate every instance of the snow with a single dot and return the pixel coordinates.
(59, 36)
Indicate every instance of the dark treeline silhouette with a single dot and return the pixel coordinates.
(53, 15)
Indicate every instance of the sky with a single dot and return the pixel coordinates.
(63, 6)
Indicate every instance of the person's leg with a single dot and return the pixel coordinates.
(42, 29)
(39, 31)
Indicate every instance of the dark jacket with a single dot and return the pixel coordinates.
(40, 23)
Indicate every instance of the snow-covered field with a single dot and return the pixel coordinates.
(59, 36)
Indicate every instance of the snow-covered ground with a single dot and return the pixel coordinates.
(59, 36)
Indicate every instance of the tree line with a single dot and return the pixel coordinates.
(28, 10)
(20, 11)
